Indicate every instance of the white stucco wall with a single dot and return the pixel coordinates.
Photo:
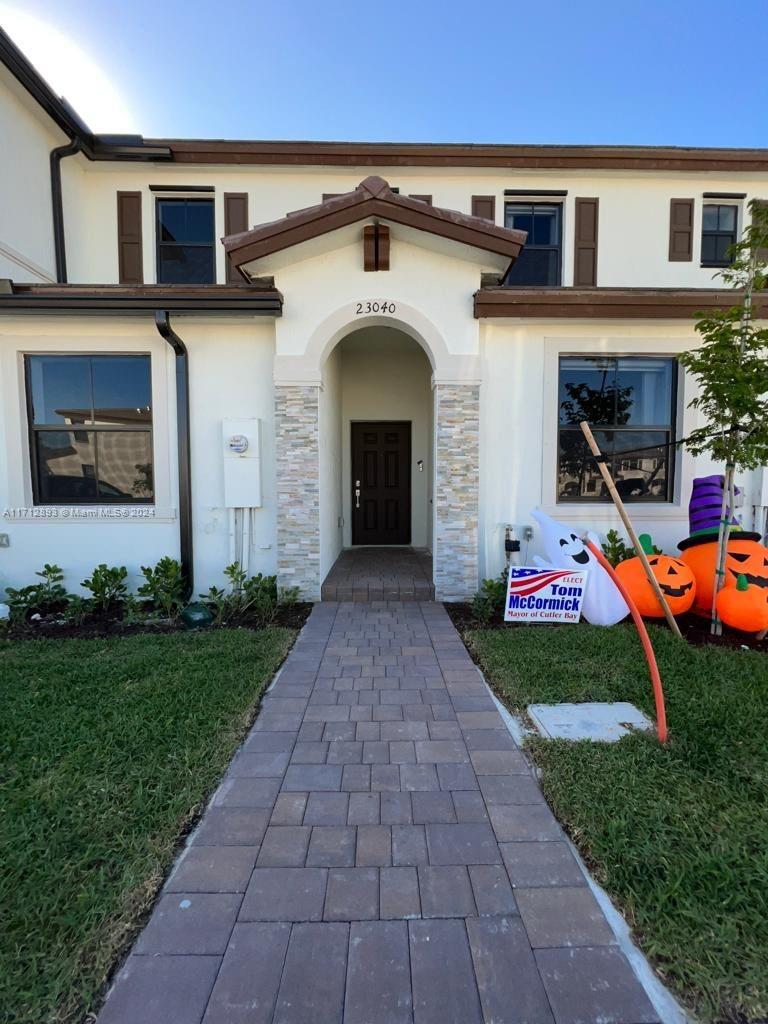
(27, 138)
(633, 218)
(369, 375)
(230, 377)
(428, 293)
(79, 546)
(519, 416)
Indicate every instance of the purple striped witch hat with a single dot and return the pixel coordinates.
(704, 511)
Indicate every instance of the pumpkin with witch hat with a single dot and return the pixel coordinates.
(675, 579)
(745, 553)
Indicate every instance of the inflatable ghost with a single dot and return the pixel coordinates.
(603, 605)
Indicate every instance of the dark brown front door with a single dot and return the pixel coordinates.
(381, 473)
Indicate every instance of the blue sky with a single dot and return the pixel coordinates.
(591, 71)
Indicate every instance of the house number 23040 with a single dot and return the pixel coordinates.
(375, 307)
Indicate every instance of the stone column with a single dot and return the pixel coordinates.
(457, 476)
(298, 488)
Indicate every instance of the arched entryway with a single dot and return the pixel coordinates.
(314, 473)
(376, 467)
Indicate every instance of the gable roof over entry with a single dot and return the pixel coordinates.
(373, 198)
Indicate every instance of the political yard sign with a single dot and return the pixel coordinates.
(544, 595)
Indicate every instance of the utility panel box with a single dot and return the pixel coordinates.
(241, 447)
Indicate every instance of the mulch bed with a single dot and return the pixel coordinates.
(291, 616)
(694, 629)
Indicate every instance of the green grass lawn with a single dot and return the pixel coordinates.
(109, 750)
(678, 834)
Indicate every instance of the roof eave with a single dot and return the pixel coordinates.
(430, 154)
(117, 300)
(606, 303)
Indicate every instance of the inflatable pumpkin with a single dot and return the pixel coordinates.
(675, 580)
(743, 607)
(745, 556)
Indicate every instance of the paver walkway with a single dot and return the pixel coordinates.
(378, 853)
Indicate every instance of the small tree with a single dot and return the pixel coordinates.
(731, 369)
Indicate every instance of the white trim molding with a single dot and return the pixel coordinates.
(25, 263)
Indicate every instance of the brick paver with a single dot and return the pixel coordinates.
(378, 852)
(375, 574)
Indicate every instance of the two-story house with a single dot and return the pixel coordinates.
(273, 351)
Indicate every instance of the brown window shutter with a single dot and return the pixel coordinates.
(382, 247)
(484, 207)
(680, 230)
(130, 257)
(585, 242)
(423, 199)
(369, 247)
(762, 253)
(235, 221)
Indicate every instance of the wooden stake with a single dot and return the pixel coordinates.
(604, 472)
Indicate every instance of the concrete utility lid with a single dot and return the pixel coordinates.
(606, 723)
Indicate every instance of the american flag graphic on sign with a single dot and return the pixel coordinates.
(544, 594)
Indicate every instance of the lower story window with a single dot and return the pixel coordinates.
(90, 428)
(629, 402)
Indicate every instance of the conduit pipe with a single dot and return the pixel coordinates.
(650, 657)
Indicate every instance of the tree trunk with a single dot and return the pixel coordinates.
(723, 533)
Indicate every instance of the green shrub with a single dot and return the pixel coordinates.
(108, 587)
(616, 549)
(22, 601)
(288, 596)
(133, 611)
(44, 598)
(253, 599)
(164, 587)
(76, 611)
(488, 602)
(216, 602)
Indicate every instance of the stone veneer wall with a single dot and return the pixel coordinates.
(457, 477)
(298, 489)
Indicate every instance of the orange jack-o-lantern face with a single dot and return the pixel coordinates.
(750, 559)
(675, 580)
(746, 556)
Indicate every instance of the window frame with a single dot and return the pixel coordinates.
(533, 202)
(719, 203)
(670, 429)
(159, 243)
(33, 429)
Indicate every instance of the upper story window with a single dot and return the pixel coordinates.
(629, 401)
(90, 428)
(718, 233)
(185, 241)
(541, 259)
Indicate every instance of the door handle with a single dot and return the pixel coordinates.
(357, 494)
